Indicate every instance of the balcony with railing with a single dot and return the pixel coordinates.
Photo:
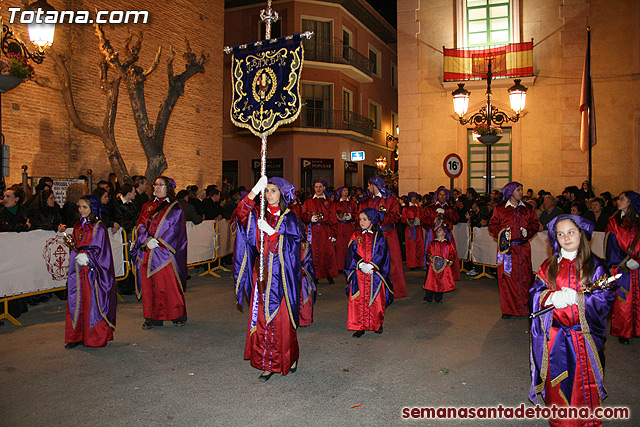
(350, 61)
(340, 120)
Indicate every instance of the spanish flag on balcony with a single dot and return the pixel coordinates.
(512, 60)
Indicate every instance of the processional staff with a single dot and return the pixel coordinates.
(265, 118)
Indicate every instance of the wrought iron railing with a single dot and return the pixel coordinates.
(320, 118)
(337, 54)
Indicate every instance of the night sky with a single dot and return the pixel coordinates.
(386, 8)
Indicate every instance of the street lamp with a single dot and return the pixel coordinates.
(489, 115)
(381, 163)
(39, 33)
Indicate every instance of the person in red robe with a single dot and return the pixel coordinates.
(369, 285)
(441, 254)
(413, 235)
(308, 290)
(441, 210)
(623, 256)
(383, 200)
(160, 255)
(272, 341)
(517, 222)
(346, 211)
(319, 216)
(567, 342)
(91, 284)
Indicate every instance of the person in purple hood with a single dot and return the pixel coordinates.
(91, 284)
(272, 341)
(567, 343)
(160, 257)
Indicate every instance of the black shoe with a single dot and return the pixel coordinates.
(330, 279)
(439, 301)
(179, 322)
(148, 325)
(264, 378)
(379, 331)
(624, 340)
(72, 344)
(293, 369)
(506, 316)
(428, 300)
(358, 334)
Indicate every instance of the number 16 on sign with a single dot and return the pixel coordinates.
(452, 167)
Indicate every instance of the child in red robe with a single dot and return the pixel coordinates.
(441, 254)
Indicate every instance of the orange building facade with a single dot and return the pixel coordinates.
(348, 92)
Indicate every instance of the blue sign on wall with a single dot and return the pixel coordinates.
(357, 156)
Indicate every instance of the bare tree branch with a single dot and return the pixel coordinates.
(153, 67)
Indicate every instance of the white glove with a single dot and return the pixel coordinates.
(440, 211)
(523, 232)
(153, 243)
(507, 234)
(314, 218)
(416, 222)
(82, 259)
(260, 185)
(366, 268)
(633, 264)
(332, 239)
(264, 226)
(348, 216)
(563, 298)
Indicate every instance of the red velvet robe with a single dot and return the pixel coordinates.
(388, 225)
(344, 228)
(362, 314)
(319, 234)
(585, 391)
(514, 286)
(102, 332)
(162, 293)
(450, 218)
(442, 281)
(625, 317)
(414, 246)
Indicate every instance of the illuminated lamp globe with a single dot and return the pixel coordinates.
(40, 33)
(517, 96)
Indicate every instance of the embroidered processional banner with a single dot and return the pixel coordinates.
(266, 89)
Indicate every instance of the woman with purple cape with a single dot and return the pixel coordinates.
(567, 343)
(160, 257)
(272, 343)
(91, 284)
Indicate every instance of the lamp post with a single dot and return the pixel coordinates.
(41, 35)
(489, 115)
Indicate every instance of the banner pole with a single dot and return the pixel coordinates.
(263, 172)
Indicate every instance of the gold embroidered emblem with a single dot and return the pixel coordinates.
(359, 240)
(150, 208)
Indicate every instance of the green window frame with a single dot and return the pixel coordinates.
(488, 22)
(501, 162)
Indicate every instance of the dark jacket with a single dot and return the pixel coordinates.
(211, 209)
(11, 222)
(547, 216)
(125, 214)
(70, 214)
(190, 213)
(140, 200)
(46, 218)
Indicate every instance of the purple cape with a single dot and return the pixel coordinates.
(562, 356)
(309, 281)
(283, 271)
(380, 258)
(101, 278)
(172, 234)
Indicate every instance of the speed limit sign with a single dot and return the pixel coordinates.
(452, 165)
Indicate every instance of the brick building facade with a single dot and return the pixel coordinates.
(40, 134)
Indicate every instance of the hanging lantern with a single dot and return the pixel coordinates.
(381, 163)
(517, 96)
(40, 33)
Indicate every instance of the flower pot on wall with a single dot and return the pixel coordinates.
(9, 82)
